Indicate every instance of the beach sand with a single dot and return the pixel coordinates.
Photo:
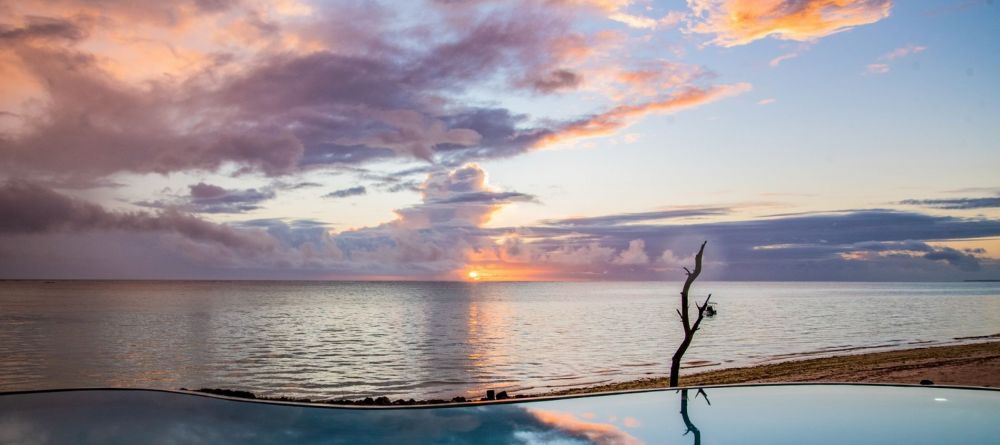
(966, 365)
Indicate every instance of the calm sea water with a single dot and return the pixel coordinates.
(355, 339)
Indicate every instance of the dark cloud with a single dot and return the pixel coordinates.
(302, 185)
(486, 198)
(954, 257)
(209, 198)
(560, 79)
(610, 220)
(955, 203)
(43, 28)
(344, 193)
(856, 245)
(32, 209)
(502, 133)
(206, 198)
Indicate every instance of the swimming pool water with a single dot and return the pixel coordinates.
(781, 414)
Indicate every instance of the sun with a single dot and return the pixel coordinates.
(473, 275)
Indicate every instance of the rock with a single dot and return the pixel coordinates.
(229, 393)
(926, 382)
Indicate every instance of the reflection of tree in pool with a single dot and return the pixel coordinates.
(684, 414)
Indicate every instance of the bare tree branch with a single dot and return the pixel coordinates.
(684, 312)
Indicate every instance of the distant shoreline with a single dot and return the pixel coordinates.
(974, 364)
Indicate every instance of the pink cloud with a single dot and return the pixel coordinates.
(777, 60)
(877, 68)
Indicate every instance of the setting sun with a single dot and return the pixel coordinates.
(473, 275)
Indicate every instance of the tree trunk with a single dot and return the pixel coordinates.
(684, 313)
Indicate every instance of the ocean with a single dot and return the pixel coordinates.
(333, 340)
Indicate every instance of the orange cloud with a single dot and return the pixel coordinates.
(619, 117)
(739, 22)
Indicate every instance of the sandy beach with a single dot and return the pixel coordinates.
(967, 365)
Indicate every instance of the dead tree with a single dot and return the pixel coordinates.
(684, 313)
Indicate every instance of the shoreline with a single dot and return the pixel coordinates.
(970, 364)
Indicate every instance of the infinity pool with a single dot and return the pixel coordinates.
(782, 414)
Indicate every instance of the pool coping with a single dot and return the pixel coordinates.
(486, 402)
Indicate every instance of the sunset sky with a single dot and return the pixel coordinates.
(500, 140)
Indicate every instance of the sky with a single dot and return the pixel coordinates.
(833, 140)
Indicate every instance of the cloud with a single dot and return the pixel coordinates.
(32, 209)
(739, 22)
(609, 122)
(623, 218)
(883, 66)
(41, 220)
(277, 90)
(801, 48)
(877, 68)
(767, 101)
(43, 28)
(332, 98)
(866, 245)
(955, 203)
(446, 233)
(615, 10)
(209, 198)
(672, 18)
(635, 254)
(458, 198)
(344, 193)
(775, 62)
(560, 79)
(962, 260)
(903, 52)
(634, 21)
